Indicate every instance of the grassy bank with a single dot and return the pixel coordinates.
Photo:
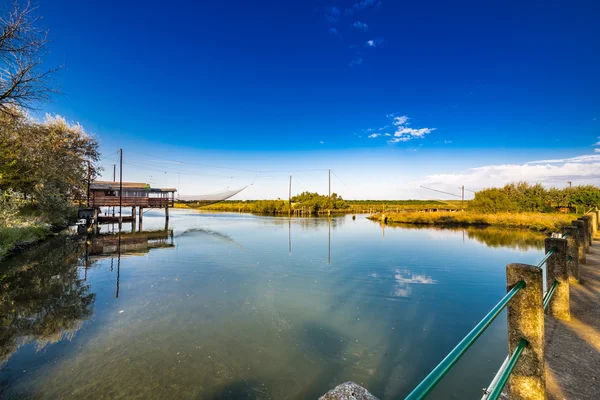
(18, 237)
(352, 206)
(534, 221)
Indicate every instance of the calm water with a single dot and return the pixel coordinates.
(245, 307)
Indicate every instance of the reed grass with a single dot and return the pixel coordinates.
(534, 221)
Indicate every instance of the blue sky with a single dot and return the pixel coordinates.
(467, 92)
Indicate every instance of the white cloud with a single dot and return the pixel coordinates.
(398, 120)
(374, 42)
(374, 135)
(405, 278)
(407, 132)
(583, 169)
(403, 133)
(322, 142)
(361, 25)
(334, 32)
(596, 150)
(578, 159)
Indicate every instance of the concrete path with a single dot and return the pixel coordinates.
(573, 347)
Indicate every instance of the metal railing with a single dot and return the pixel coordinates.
(497, 385)
(443, 367)
(492, 393)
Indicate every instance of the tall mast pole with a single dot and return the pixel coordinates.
(114, 172)
(88, 182)
(329, 189)
(120, 187)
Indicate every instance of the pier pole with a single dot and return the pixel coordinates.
(120, 188)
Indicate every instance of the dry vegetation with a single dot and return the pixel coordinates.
(533, 221)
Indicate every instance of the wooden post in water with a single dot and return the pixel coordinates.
(526, 321)
(120, 188)
(141, 217)
(89, 177)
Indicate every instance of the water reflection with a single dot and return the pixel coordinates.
(43, 298)
(490, 236)
(220, 307)
(121, 244)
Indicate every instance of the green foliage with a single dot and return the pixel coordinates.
(492, 200)
(45, 163)
(317, 202)
(269, 206)
(523, 197)
(42, 297)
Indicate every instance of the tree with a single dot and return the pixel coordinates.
(493, 200)
(23, 80)
(46, 162)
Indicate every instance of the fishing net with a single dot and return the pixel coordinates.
(208, 199)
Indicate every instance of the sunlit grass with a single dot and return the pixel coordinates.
(533, 221)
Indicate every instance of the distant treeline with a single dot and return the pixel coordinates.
(524, 197)
(315, 203)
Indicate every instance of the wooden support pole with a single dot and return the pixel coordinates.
(557, 270)
(120, 188)
(526, 321)
(581, 239)
(573, 253)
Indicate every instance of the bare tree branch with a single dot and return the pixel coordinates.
(23, 80)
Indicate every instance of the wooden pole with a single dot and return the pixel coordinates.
(329, 190)
(120, 188)
(89, 174)
(114, 180)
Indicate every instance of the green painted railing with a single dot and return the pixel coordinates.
(497, 391)
(548, 295)
(435, 376)
(443, 367)
(546, 257)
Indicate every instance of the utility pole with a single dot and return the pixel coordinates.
(120, 188)
(89, 174)
(114, 180)
(290, 196)
(329, 190)
(463, 192)
(569, 182)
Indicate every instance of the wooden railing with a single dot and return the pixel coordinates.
(151, 202)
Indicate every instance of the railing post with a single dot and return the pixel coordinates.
(526, 320)
(556, 270)
(581, 238)
(573, 253)
(588, 231)
(594, 215)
